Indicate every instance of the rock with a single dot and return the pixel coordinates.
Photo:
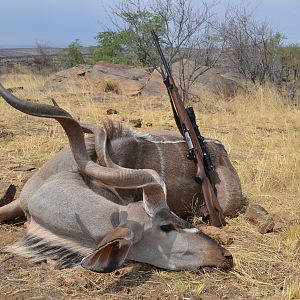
(79, 70)
(17, 167)
(15, 89)
(136, 123)
(155, 85)
(25, 168)
(6, 134)
(212, 80)
(111, 112)
(103, 76)
(11, 166)
(97, 98)
(75, 279)
(69, 78)
(218, 234)
(257, 215)
(219, 84)
(130, 80)
(128, 269)
(209, 296)
(8, 196)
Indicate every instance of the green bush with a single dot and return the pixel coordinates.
(72, 55)
(131, 46)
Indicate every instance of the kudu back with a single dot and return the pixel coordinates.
(163, 151)
(83, 206)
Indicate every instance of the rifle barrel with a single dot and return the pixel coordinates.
(163, 59)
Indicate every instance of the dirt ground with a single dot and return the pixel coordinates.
(263, 144)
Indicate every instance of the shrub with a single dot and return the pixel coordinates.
(72, 55)
(111, 86)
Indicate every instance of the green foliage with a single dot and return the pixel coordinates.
(132, 45)
(290, 54)
(73, 55)
(112, 47)
(273, 43)
(289, 57)
(277, 39)
(139, 40)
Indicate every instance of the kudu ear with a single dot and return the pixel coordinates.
(111, 253)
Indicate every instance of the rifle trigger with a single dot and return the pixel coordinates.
(190, 155)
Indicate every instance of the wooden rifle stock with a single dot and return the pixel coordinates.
(187, 129)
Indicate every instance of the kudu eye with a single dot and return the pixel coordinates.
(167, 227)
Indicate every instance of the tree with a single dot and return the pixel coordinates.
(289, 59)
(186, 34)
(109, 47)
(129, 42)
(192, 40)
(73, 55)
(137, 22)
(44, 62)
(251, 45)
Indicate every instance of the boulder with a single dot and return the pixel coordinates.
(70, 78)
(220, 84)
(111, 111)
(132, 81)
(257, 215)
(155, 85)
(129, 80)
(8, 196)
(136, 123)
(218, 234)
(103, 76)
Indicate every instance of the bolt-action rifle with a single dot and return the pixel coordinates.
(186, 123)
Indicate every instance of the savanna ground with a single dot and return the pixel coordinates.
(261, 132)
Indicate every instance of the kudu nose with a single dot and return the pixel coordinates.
(228, 261)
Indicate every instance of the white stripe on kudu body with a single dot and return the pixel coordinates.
(162, 161)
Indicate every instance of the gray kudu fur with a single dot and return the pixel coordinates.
(84, 205)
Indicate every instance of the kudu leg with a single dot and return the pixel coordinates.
(11, 211)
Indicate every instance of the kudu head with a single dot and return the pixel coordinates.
(146, 231)
(163, 240)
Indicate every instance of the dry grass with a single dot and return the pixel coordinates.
(262, 134)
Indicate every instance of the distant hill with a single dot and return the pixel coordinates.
(19, 52)
(25, 52)
(34, 58)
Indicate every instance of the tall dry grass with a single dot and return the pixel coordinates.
(261, 132)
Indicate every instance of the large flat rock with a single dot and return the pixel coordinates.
(131, 81)
(127, 79)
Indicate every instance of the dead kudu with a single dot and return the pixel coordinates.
(84, 205)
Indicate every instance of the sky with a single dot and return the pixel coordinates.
(57, 23)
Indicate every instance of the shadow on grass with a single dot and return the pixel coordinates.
(128, 281)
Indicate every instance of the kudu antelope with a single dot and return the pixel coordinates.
(82, 206)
